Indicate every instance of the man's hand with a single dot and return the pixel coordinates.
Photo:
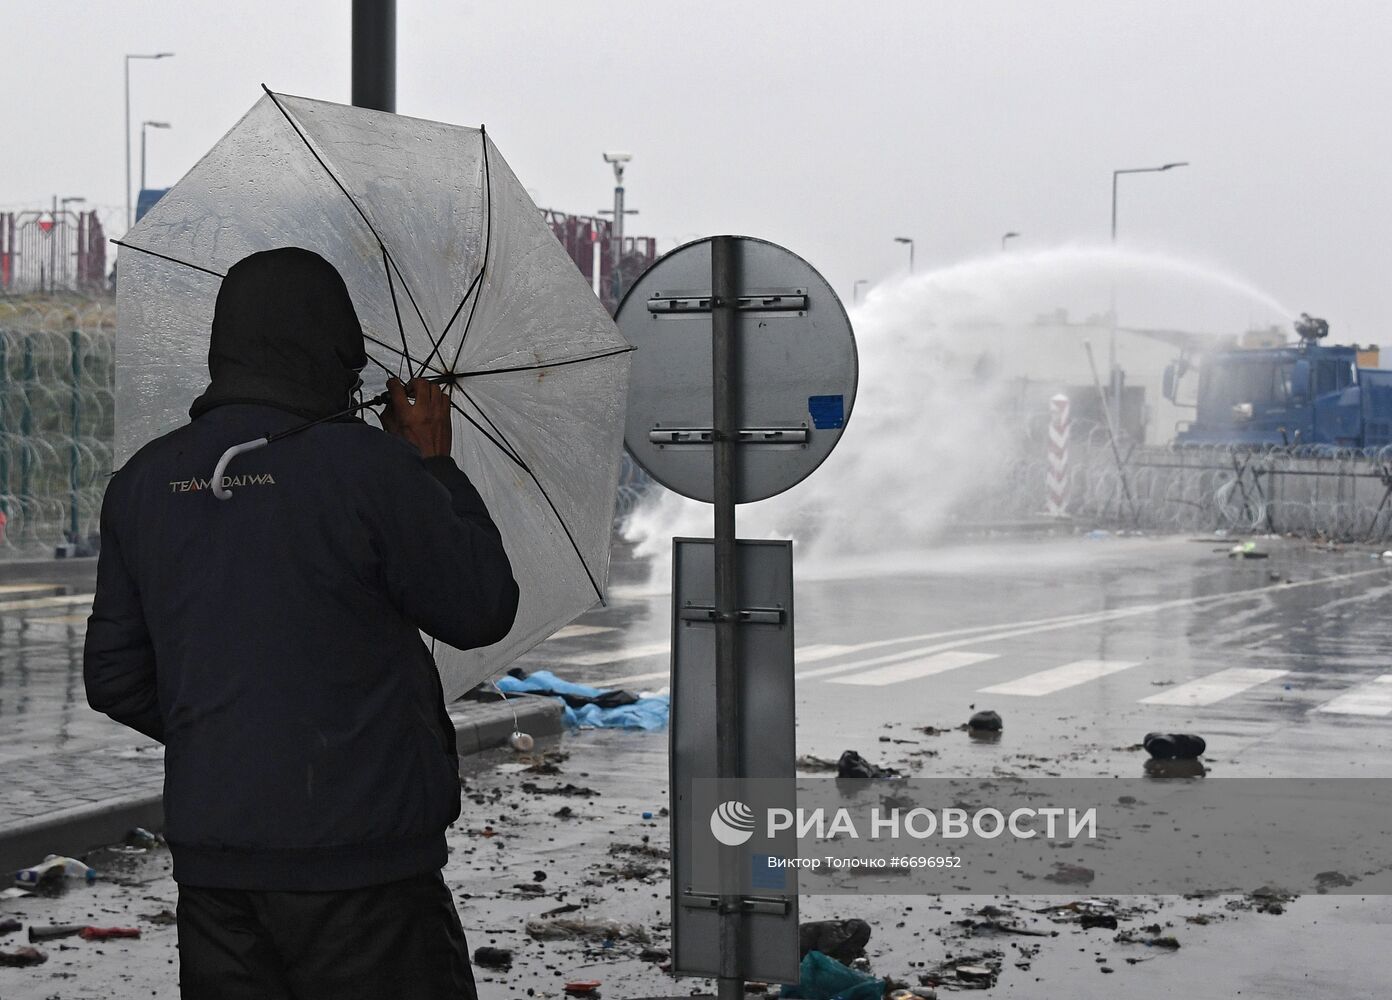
(425, 423)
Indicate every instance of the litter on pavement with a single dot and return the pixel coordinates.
(822, 977)
(1174, 746)
(592, 707)
(853, 765)
(51, 868)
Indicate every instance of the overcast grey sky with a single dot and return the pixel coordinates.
(828, 127)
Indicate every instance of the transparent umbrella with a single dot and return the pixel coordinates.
(455, 277)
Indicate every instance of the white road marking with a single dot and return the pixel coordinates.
(1370, 699)
(614, 655)
(996, 633)
(46, 602)
(1215, 687)
(977, 634)
(21, 588)
(823, 651)
(616, 682)
(912, 670)
(1059, 678)
(60, 620)
(576, 631)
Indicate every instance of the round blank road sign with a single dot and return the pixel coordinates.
(795, 360)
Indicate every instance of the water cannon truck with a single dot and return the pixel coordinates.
(1287, 396)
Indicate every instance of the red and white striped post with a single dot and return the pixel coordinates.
(1057, 477)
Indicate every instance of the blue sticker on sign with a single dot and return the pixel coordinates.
(765, 873)
(828, 412)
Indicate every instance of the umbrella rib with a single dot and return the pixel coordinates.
(396, 306)
(351, 200)
(487, 243)
(435, 350)
(315, 153)
(548, 364)
(505, 449)
(390, 347)
(172, 260)
(546, 496)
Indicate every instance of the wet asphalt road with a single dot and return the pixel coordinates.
(1082, 646)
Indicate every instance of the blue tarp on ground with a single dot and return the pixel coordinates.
(645, 713)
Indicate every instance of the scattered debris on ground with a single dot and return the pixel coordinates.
(853, 765)
(566, 928)
(22, 957)
(986, 721)
(1174, 746)
(843, 940)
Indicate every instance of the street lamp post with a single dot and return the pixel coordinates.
(1007, 236)
(855, 289)
(130, 218)
(1114, 368)
(618, 161)
(143, 127)
(910, 242)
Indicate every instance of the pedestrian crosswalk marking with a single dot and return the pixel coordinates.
(822, 651)
(1215, 687)
(72, 600)
(576, 631)
(1370, 699)
(615, 655)
(1058, 678)
(814, 652)
(911, 670)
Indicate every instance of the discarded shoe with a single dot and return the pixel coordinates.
(987, 720)
(1174, 746)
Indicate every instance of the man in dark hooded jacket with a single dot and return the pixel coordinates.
(272, 643)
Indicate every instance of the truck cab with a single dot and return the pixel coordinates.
(1287, 396)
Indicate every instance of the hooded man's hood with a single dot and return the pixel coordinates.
(285, 334)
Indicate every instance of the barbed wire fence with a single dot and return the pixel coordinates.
(57, 422)
(1340, 494)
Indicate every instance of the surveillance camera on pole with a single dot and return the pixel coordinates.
(617, 159)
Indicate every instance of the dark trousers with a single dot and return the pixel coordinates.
(398, 940)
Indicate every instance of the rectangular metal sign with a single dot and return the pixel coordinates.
(767, 713)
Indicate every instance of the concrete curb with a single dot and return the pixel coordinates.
(74, 831)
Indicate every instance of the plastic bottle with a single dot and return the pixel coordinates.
(54, 866)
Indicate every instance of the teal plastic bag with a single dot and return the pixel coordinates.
(821, 977)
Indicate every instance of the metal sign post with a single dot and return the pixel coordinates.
(724, 289)
(783, 373)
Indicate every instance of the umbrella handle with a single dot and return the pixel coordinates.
(220, 491)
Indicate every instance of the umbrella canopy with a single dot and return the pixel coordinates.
(453, 274)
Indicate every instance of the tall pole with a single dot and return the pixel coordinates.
(142, 154)
(130, 214)
(910, 242)
(374, 54)
(1113, 369)
(615, 276)
(74, 456)
(53, 245)
(725, 283)
(67, 214)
